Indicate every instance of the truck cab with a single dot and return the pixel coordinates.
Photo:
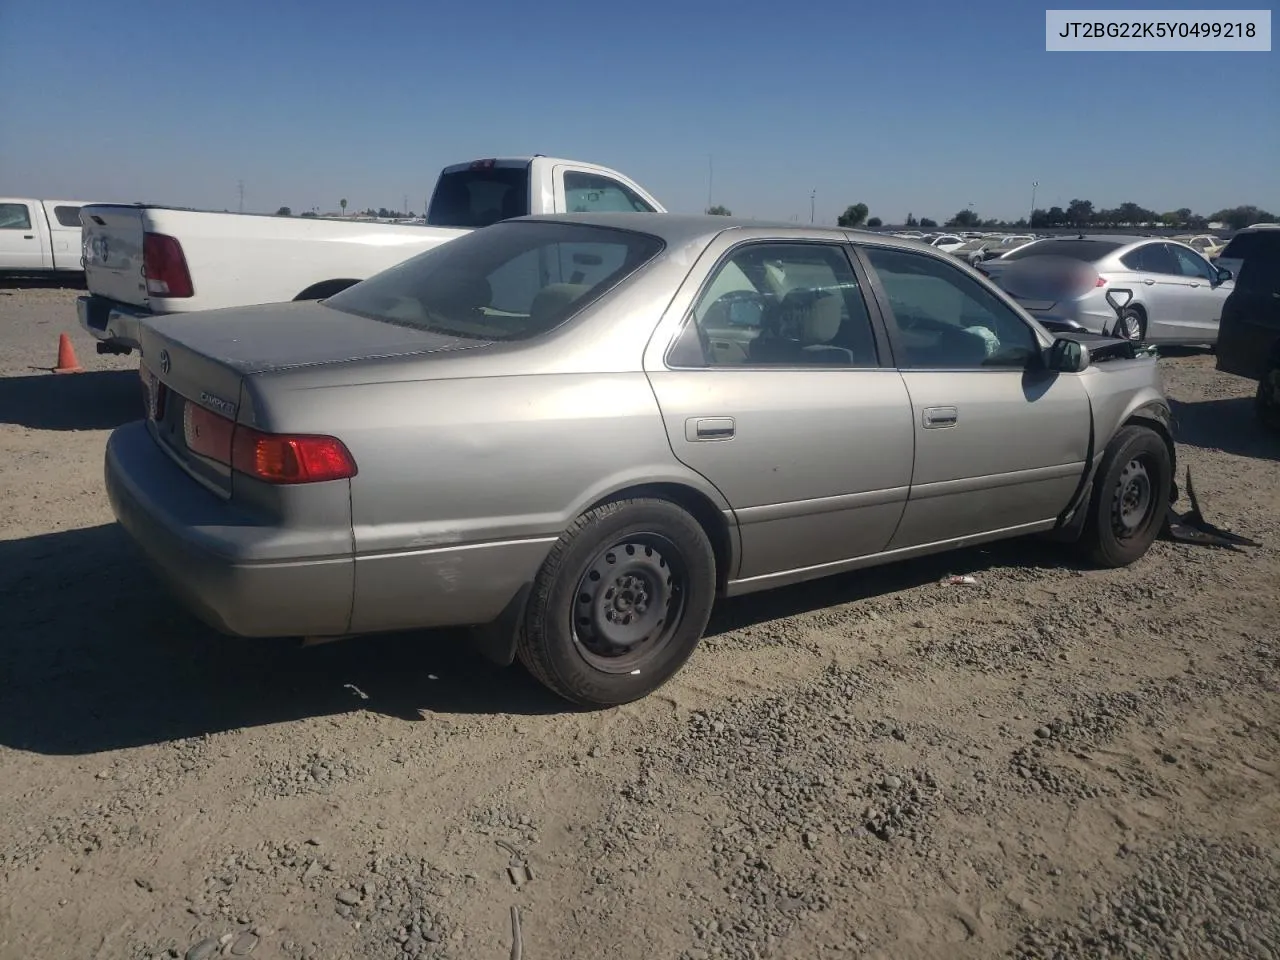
(39, 237)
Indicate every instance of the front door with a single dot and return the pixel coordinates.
(20, 246)
(1202, 295)
(776, 392)
(1001, 443)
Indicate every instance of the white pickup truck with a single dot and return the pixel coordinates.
(39, 237)
(142, 260)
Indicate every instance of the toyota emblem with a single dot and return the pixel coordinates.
(165, 362)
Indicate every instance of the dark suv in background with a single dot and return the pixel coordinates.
(1249, 333)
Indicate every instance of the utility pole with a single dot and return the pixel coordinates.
(405, 208)
(1034, 184)
(711, 173)
(240, 185)
(813, 194)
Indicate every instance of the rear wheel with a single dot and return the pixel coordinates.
(620, 603)
(1267, 399)
(1132, 325)
(1130, 497)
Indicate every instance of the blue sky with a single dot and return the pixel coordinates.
(904, 106)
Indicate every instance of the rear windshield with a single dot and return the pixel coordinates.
(511, 281)
(1088, 251)
(1258, 256)
(478, 197)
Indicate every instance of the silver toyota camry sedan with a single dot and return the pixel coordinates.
(574, 434)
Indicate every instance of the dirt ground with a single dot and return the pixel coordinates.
(1056, 762)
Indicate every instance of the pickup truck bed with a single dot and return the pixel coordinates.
(142, 260)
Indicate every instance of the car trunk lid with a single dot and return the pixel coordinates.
(1040, 283)
(112, 238)
(195, 369)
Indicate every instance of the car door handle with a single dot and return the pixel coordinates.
(1149, 283)
(935, 417)
(29, 236)
(709, 428)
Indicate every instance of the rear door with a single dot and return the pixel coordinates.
(1001, 443)
(1203, 295)
(778, 391)
(112, 240)
(64, 233)
(22, 245)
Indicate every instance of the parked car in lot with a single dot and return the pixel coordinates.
(1249, 336)
(145, 260)
(575, 433)
(39, 237)
(1176, 294)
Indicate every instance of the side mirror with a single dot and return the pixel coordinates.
(1068, 356)
(1224, 274)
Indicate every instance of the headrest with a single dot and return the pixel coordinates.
(553, 299)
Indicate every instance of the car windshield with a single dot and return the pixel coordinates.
(1087, 251)
(511, 281)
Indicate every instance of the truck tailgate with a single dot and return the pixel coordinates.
(113, 252)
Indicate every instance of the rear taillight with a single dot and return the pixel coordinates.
(278, 458)
(270, 457)
(165, 267)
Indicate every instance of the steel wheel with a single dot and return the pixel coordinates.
(1133, 500)
(629, 603)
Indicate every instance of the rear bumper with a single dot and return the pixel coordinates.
(210, 554)
(1092, 316)
(111, 322)
(196, 542)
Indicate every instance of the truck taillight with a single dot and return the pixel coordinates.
(271, 457)
(165, 267)
(282, 458)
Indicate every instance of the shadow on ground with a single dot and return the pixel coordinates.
(96, 656)
(93, 400)
(73, 282)
(1229, 425)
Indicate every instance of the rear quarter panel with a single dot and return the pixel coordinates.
(465, 483)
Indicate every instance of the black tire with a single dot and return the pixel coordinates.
(1266, 401)
(1130, 498)
(583, 606)
(1132, 325)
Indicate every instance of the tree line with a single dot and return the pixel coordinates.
(1078, 213)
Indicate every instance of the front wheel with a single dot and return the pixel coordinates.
(1130, 497)
(620, 603)
(1266, 402)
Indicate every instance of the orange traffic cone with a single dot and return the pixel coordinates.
(67, 362)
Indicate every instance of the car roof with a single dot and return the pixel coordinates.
(676, 229)
(1120, 239)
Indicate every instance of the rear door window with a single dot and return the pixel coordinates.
(14, 216)
(67, 216)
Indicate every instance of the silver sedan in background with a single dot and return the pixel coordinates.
(1170, 294)
(575, 433)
